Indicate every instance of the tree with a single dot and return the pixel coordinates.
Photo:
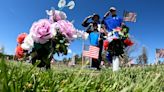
(139, 59)
(142, 59)
(126, 57)
(78, 59)
(144, 55)
(64, 60)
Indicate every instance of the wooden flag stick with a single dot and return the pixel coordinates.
(82, 52)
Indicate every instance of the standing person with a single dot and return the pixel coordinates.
(95, 18)
(92, 26)
(113, 21)
(94, 41)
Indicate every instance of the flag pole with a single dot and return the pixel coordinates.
(82, 52)
(124, 15)
(156, 57)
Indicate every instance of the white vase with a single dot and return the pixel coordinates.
(115, 63)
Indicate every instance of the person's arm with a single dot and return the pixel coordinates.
(85, 22)
(104, 30)
(106, 14)
(89, 30)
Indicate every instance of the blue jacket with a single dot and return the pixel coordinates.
(113, 22)
(94, 36)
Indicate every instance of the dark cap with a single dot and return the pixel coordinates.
(95, 15)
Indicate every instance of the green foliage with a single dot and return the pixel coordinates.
(23, 77)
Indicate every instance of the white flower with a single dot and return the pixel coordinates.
(85, 35)
(110, 39)
(82, 34)
(28, 43)
(69, 51)
(68, 44)
(49, 12)
(109, 34)
(71, 5)
(61, 3)
(62, 15)
(120, 33)
(79, 34)
(75, 36)
(105, 36)
(54, 27)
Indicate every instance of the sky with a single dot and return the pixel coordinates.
(17, 16)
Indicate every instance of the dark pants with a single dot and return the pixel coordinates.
(96, 62)
(101, 49)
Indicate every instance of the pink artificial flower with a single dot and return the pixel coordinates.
(66, 28)
(56, 15)
(40, 31)
(117, 29)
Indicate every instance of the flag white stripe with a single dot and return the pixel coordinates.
(160, 53)
(129, 16)
(93, 52)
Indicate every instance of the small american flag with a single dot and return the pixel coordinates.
(92, 53)
(130, 16)
(160, 53)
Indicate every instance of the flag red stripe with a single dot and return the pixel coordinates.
(160, 53)
(93, 52)
(130, 17)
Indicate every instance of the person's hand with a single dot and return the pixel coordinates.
(122, 24)
(107, 14)
(99, 39)
(90, 16)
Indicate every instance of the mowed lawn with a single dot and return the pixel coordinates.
(23, 77)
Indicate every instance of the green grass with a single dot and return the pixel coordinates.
(23, 77)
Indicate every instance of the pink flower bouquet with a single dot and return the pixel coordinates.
(40, 31)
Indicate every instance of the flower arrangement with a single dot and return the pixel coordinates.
(117, 40)
(48, 37)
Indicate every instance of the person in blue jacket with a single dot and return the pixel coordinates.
(92, 29)
(113, 21)
(94, 38)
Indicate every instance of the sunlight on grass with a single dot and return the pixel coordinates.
(18, 77)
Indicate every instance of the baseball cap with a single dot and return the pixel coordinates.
(112, 8)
